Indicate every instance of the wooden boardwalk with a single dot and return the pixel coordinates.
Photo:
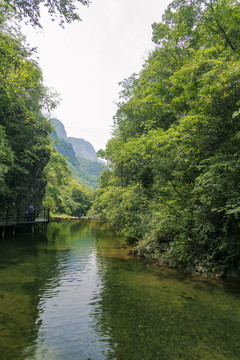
(15, 218)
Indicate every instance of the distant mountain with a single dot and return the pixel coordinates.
(83, 148)
(80, 153)
(59, 128)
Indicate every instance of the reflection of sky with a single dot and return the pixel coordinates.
(66, 330)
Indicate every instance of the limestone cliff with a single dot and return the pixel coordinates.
(82, 157)
(59, 128)
(83, 148)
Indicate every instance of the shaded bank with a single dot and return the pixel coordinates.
(173, 180)
(162, 253)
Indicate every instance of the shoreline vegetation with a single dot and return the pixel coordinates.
(151, 252)
(173, 163)
(173, 180)
(62, 217)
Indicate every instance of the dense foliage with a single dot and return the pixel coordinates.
(29, 164)
(87, 172)
(173, 184)
(25, 146)
(66, 11)
(64, 195)
(84, 171)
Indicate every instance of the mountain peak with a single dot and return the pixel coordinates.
(81, 147)
(59, 128)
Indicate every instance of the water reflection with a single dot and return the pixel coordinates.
(77, 295)
(150, 312)
(25, 273)
(66, 330)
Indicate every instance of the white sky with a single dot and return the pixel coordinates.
(85, 61)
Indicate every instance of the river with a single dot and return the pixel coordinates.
(76, 294)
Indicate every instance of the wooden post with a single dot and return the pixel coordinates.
(3, 232)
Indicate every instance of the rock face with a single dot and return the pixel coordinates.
(82, 157)
(59, 128)
(65, 148)
(83, 148)
(33, 189)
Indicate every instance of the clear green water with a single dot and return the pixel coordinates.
(75, 294)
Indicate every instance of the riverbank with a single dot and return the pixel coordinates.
(164, 255)
(76, 291)
(66, 217)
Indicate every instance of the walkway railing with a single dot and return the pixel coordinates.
(9, 217)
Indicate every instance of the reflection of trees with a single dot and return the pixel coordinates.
(148, 315)
(138, 314)
(29, 266)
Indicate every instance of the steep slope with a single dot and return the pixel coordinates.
(65, 148)
(59, 128)
(83, 148)
(80, 153)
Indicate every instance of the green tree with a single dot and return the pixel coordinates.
(65, 11)
(175, 148)
(25, 104)
(63, 194)
(23, 101)
(6, 160)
